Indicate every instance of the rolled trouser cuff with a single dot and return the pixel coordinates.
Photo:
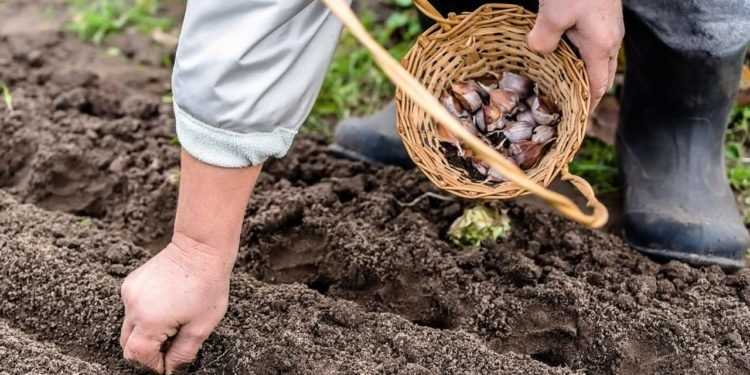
(227, 149)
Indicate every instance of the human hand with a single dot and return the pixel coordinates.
(181, 295)
(596, 27)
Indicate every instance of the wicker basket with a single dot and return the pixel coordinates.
(492, 38)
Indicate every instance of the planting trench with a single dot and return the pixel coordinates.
(338, 271)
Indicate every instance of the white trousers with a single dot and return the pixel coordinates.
(247, 74)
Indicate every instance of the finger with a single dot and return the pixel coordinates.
(549, 27)
(184, 349)
(597, 66)
(125, 331)
(612, 71)
(144, 350)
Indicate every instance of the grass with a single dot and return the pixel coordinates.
(97, 19)
(354, 84)
(737, 141)
(596, 161)
(738, 162)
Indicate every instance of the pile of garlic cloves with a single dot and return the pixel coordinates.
(508, 113)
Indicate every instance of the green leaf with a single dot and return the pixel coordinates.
(733, 151)
(739, 177)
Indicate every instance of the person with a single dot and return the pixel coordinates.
(246, 76)
(684, 60)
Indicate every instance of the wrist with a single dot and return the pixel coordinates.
(207, 260)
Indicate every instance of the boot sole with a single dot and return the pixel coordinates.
(693, 259)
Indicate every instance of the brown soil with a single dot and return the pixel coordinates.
(337, 273)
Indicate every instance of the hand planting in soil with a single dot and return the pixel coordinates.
(509, 113)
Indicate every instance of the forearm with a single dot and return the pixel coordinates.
(212, 203)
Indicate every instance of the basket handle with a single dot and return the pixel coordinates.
(432, 13)
(599, 209)
(411, 87)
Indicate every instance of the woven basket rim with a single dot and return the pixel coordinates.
(461, 28)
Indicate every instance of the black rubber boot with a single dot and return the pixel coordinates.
(372, 139)
(678, 203)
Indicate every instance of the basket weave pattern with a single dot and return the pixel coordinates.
(490, 39)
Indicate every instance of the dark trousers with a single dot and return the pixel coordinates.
(716, 27)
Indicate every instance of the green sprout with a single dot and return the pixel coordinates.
(7, 96)
(479, 224)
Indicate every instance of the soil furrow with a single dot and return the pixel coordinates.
(25, 355)
(69, 273)
(562, 294)
(337, 273)
(88, 135)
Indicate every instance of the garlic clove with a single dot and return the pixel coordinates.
(527, 153)
(542, 112)
(479, 122)
(504, 100)
(494, 176)
(489, 79)
(466, 93)
(516, 83)
(481, 90)
(452, 105)
(488, 83)
(492, 113)
(518, 131)
(497, 125)
(444, 136)
(542, 134)
(468, 124)
(480, 166)
(525, 116)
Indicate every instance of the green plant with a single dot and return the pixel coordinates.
(354, 84)
(596, 161)
(737, 139)
(95, 20)
(738, 164)
(479, 224)
(7, 96)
